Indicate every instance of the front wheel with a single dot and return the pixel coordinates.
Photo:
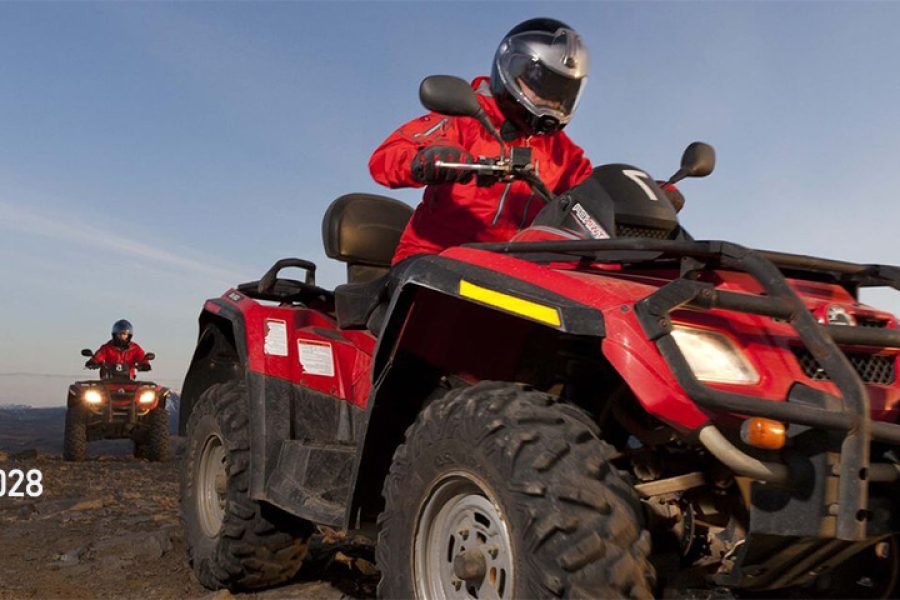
(233, 541)
(501, 492)
(75, 440)
(157, 444)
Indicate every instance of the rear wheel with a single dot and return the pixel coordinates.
(232, 540)
(500, 492)
(75, 440)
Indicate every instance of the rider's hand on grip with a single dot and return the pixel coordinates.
(143, 367)
(91, 364)
(425, 170)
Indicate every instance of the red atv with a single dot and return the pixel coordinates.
(603, 407)
(114, 407)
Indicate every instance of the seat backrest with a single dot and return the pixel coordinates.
(363, 230)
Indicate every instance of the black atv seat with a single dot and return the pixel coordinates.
(363, 230)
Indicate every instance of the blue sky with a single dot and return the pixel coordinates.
(153, 154)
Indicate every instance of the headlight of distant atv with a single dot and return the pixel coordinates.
(713, 357)
(147, 397)
(93, 397)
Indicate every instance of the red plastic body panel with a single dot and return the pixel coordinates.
(312, 340)
(338, 363)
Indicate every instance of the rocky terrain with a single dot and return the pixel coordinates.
(109, 527)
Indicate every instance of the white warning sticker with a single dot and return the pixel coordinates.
(316, 358)
(276, 337)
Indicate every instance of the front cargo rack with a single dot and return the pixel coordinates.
(849, 414)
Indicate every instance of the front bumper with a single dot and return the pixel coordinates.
(831, 480)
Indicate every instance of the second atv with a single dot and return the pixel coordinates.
(117, 406)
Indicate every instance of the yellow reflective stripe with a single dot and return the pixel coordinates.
(526, 308)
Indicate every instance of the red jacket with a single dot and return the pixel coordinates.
(453, 214)
(109, 355)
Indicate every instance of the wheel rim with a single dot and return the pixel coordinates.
(462, 547)
(212, 478)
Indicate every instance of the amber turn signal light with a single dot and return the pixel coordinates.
(763, 433)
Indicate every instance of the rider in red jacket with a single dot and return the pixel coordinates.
(118, 354)
(537, 78)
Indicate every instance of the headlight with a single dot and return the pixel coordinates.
(712, 356)
(93, 397)
(147, 397)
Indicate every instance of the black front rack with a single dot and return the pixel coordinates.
(849, 414)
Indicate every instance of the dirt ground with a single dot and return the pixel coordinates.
(109, 527)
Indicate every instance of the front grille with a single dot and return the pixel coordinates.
(632, 231)
(872, 368)
(871, 322)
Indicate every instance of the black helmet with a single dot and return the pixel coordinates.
(122, 326)
(539, 72)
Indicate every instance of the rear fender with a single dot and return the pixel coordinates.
(220, 355)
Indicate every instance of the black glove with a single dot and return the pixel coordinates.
(425, 171)
(143, 367)
(90, 364)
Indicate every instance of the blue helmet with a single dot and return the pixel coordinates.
(122, 326)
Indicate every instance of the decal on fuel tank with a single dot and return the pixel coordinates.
(588, 223)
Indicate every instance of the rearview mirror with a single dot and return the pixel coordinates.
(87, 352)
(698, 160)
(149, 356)
(449, 95)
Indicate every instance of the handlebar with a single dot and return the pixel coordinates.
(517, 166)
(490, 168)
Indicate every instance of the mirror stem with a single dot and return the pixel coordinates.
(678, 176)
(486, 123)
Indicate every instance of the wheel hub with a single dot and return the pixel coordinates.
(212, 479)
(462, 547)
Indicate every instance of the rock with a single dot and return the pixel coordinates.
(52, 507)
(219, 595)
(93, 503)
(72, 557)
(365, 567)
(30, 454)
(3, 456)
(157, 544)
(26, 511)
(138, 546)
(313, 590)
